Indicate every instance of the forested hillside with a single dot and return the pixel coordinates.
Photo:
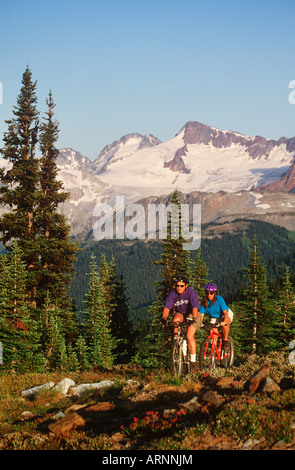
(225, 249)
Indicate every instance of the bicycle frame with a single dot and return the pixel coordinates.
(181, 337)
(214, 335)
(216, 346)
(179, 326)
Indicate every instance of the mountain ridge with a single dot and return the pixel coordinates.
(231, 175)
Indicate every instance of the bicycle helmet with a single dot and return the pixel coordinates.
(210, 287)
(181, 278)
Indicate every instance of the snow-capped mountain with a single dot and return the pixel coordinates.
(69, 159)
(285, 184)
(221, 170)
(198, 158)
(231, 175)
(122, 149)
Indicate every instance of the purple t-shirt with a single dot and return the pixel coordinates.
(184, 303)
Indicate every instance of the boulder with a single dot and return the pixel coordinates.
(82, 388)
(225, 382)
(257, 378)
(270, 386)
(191, 406)
(212, 398)
(64, 385)
(67, 424)
(91, 411)
(31, 392)
(27, 415)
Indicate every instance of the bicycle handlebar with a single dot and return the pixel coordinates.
(177, 324)
(217, 324)
(191, 320)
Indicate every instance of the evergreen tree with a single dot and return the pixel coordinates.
(53, 335)
(19, 188)
(57, 252)
(82, 353)
(174, 260)
(256, 310)
(14, 301)
(107, 274)
(286, 311)
(116, 300)
(100, 340)
(121, 326)
(18, 331)
(32, 192)
(199, 274)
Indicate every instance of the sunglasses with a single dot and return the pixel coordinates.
(180, 285)
(210, 293)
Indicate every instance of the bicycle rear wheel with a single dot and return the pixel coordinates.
(228, 355)
(207, 355)
(176, 362)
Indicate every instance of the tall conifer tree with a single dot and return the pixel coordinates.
(174, 260)
(121, 326)
(117, 306)
(199, 274)
(18, 331)
(31, 190)
(57, 252)
(21, 180)
(98, 331)
(286, 311)
(256, 310)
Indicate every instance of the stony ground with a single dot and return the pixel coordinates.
(250, 407)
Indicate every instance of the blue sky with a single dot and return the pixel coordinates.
(149, 66)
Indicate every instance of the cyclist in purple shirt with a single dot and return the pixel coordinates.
(185, 301)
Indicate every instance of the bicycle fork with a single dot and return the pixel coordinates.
(185, 354)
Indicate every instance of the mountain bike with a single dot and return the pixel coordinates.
(212, 351)
(179, 360)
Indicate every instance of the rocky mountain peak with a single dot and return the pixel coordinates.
(257, 146)
(69, 159)
(285, 184)
(127, 145)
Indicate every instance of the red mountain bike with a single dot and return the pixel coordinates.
(212, 351)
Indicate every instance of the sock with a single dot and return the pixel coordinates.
(193, 357)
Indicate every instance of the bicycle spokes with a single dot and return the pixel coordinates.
(176, 358)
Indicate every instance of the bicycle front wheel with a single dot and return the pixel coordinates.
(228, 355)
(176, 362)
(207, 355)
